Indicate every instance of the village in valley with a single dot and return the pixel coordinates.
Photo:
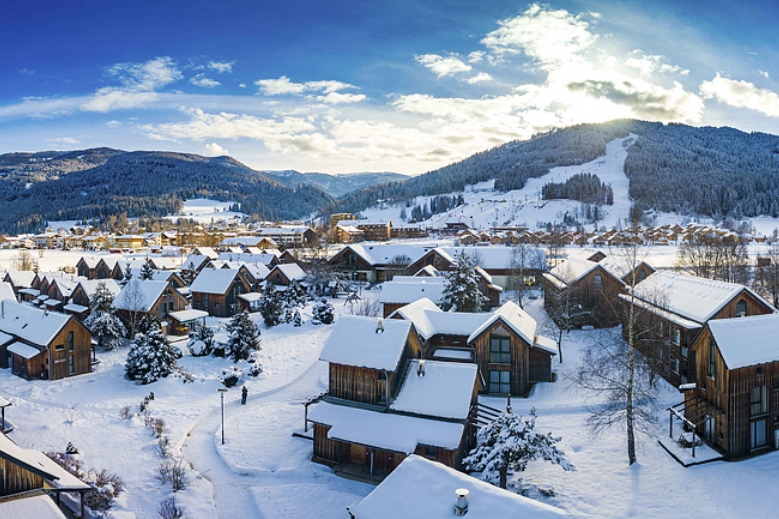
(291, 370)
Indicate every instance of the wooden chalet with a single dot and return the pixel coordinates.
(19, 279)
(27, 476)
(286, 274)
(86, 267)
(105, 267)
(375, 263)
(403, 290)
(585, 289)
(140, 298)
(197, 262)
(81, 296)
(38, 344)
(503, 344)
(671, 310)
(734, 400)
(371, 230)
(216, 291)
(383, 404)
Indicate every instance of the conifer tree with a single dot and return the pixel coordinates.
(147, 273)
(102, 320)
(462, 291)
(243, 337)
(151, 357)
(271, 306)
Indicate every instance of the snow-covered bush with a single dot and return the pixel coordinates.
(231, 376)
(106, 486)
(296, 319)
(323, 312)
(243, 337)
(151, 356)
(271, 305)
(170, 510)
(173, 472)
(201, 341)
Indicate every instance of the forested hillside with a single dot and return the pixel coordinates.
(706, 171)
(99, 183)
(335, 185)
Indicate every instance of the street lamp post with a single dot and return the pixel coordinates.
(222, 391)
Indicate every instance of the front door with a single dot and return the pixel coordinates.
(758, 433)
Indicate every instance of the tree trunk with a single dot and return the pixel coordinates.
(560, 345)
(629, 416)
(503, 477)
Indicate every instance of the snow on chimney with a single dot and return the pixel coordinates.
(461, 508)
(421, 369)
(380, 327)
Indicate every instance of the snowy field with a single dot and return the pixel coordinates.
(262, 471)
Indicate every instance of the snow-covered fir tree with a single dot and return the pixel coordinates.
(243, 337)
(271, 306)
(127, 275)
(462, 290)
(323, 312)
(188, 274)
(105, 326)
(509, 444)
(201, 341)
(296, 319)
(151, 357)
(147, 273)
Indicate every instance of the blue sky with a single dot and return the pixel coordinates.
(386, 85)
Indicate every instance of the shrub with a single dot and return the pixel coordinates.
(169, 510)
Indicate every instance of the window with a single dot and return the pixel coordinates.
(500, 382)
(205, 302)
(641, 275)
(72, 365)
(430, 452)
(597, 279)
(741, 308)
(676, 336)
(500, 350)
(675, 365)
(59, 347)
(70, 341)
(712, 363)
(758, 404)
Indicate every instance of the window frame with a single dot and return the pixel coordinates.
(500, 355)
(499, 386)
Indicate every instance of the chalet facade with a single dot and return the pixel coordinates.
(670, 310)
(37, 344)
(141, 298)
(216, 291)
(586, 289)
(503, 344)
(375, 263)
(383, 403)
(734, 402)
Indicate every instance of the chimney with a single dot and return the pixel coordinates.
(380, 327)
(421, 369)
(461, 508)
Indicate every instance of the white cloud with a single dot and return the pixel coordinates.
(551, 38)
(330, 89)
(476, 56)
(242, 85)
(113, 124)
(764, 74)
(214, 150)
(648, 65)
(140, 82)
(481, 77)
(336, 98)
(221, 66)
(741, 94)
(202, 81)
(26, 71)
(443, 66)
(64, 141)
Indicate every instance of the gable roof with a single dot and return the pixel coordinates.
(214, 281)
(515, 318)
(385, 253)
(21, 278)
(30, 324)
(444, 391)
(291, 271)
(430, 320)
(422, 489)
(355, 342)
(90, 286)
(691, 297)
(403, 291)
(737, 351)
(139, 296)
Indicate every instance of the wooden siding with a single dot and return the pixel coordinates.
(540, 366)
(15, 479)
(359, 384)
(754, 306)
(519, 365)
(59, 356)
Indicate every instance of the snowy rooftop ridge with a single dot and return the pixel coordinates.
(409, 291)
(747, 341)
(139, 295)
(516, 318)
(214, 281)
(428, 492)
(355, 341)
(691, 297)
(31, 324)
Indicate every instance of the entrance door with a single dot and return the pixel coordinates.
(758, 433)
(709, 426)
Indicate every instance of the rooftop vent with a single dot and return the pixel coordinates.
(461, 508)
(380, 327)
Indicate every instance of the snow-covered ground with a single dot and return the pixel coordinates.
(203, 210)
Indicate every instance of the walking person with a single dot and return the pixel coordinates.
(244, 394)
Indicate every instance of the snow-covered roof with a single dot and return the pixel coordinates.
(21, 278)
(5, 338)
(513, 316)
(23, 350)
(386, 253)
(429, 320)
(75, 309)
(747, 341)
(422, 489)
(407, 292)
(258, 270)
(139, 295)
(7, 291)
(37, 461)
(39, 506)
(292, 271)
(691, 297)
(355, 342)
(665, 314)
(90, 286)
(429, 271)
(573, 269)
(183, 316)
(546, 344)
(265, 258)
(390, 431)
(209, 252)
(496, 257)
(444, 391)
(214, 281)
(195, 260)
(30, 292)
(251, 296)
(31, 324)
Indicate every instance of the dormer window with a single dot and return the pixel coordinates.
(741, 308)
